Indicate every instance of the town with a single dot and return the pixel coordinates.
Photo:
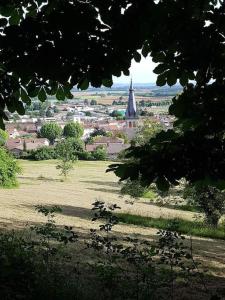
(113, 119)
(112, 150)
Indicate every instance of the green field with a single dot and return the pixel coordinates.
(40, 185)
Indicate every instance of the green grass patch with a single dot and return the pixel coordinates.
(179, 225)
(186, 207)
(151, 195)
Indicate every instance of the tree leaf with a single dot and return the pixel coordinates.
(161, 80)
(42, 95)
(20, 108)
(158, 57)
(107, 82)
(184, 79)
(83, 84)
(32, 90)
(171, 77)
(137, 57)
(160, 69)
(25, 98)
(60, 95)
(15, 18)
(145, 50)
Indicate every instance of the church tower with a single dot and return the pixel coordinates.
(131, 112)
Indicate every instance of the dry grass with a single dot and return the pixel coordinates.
(41, 185)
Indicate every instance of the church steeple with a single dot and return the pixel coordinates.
(131, 112)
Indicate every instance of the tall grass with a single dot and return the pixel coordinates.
(182, 226)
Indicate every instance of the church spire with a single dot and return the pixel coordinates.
(131, 112)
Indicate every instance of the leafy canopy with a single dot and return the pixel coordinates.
(47, 47)
(73, 130)
(9, 169)
(51, 131)
(3, 137)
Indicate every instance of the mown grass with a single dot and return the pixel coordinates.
(179, 225)
(151, 195)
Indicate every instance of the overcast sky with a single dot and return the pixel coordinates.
(141, 72)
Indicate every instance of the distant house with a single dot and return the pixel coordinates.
(19, 145)
(28, 127)
(112, 145)
(12, 132)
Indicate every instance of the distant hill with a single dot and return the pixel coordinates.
(139, 87)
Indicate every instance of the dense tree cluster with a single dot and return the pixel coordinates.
(9, 169)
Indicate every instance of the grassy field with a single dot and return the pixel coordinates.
(41, 185)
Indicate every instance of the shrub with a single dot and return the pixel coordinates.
(84, 155)
(3, 137)
(43, 153)
(99, 153)
(9, 168)
(133, 188)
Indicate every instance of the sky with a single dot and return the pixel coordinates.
(141, 72)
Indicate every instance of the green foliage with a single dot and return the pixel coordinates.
(99, 153)
(3, 137)
(209, 200)
(36, 262)
(117, 114)
(74, 130)
(180, 225)
(65, 167)
(133, 188)
(31, 260)
(43, 153)
(70, 147)
(9, 169)
(51, 131)
(67, 157)
(145, 132)
(153, 265)
(121, 135)
(98, 132)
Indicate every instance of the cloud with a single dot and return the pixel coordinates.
(141, 72)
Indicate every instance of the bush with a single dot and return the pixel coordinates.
(99, 153)
(9, 168)
(133, 188)
(84, 155)
(3, 137)
(43, 153)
